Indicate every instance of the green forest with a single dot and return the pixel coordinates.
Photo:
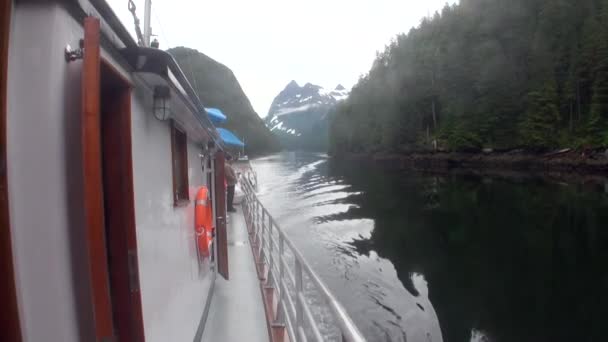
(485, 74)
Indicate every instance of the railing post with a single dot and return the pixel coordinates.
(262, 252)
(250, 212)
(246, 206)
(256, 224)
(257, 217)
(280, 312)
(299, 290)
(270, 280)
(249, 215)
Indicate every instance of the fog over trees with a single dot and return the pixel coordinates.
(498, 74)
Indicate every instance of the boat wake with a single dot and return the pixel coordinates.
(321, 214)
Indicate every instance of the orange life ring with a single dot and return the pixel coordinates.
(203, 221)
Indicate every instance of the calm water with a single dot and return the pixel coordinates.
(426, 258)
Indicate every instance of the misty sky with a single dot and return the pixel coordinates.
(268, 43)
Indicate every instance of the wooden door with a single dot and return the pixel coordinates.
(220, 207)
(93, 182)
(108, 196)
(119, 205)
(10, 329)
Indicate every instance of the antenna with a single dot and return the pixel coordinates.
(147, 21)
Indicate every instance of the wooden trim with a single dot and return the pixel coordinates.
(137, 316)
(10, 328)
(173, 173)
(179, 154)
(181, 203)
(93, 186)
(220, 208)
(117, 74)
(119, 203)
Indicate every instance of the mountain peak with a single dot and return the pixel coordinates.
(299, 117)
(292, 85)
(296, 99)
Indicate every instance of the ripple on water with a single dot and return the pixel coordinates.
(321, 215)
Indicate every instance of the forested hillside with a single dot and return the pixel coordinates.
(217, 87)
(486, 74)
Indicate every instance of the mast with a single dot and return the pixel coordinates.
(147, 23)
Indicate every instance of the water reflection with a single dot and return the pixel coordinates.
(458, 258)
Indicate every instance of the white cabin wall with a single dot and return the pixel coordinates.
(44, 175)
(45, 193)
(173, 290)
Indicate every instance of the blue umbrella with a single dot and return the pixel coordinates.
(229, 138)
(215, 115)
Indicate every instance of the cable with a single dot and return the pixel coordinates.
(189, 57)
(198, 92)
(162, 30)
(188, 62)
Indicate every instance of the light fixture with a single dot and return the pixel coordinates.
(161, 108)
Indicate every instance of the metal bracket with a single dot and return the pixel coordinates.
(74, 54)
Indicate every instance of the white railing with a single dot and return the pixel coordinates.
(300, 301)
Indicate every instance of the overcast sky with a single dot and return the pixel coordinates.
(268, 43)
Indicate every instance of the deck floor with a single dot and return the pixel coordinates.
(237, 309)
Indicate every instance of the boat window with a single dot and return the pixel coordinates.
(179, 151)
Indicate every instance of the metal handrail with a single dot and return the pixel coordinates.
(292, 307)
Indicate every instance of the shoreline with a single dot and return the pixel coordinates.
(562, 165)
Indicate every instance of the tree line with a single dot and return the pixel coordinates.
(498, 74)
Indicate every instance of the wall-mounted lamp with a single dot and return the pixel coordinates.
(74, 54)
(161, 106)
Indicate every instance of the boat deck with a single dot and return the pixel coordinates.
(237, 309)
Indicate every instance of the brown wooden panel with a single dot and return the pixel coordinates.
(93, 188)
(137, 317)
(179, 155)
(10, 329)
(220, 207)
(119, 206)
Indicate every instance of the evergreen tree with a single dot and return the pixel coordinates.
(540, 121)
(597, 126)
(486, 73)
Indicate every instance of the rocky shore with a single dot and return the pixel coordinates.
(583, 162)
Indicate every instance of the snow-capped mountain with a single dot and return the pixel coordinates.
(298, 115)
